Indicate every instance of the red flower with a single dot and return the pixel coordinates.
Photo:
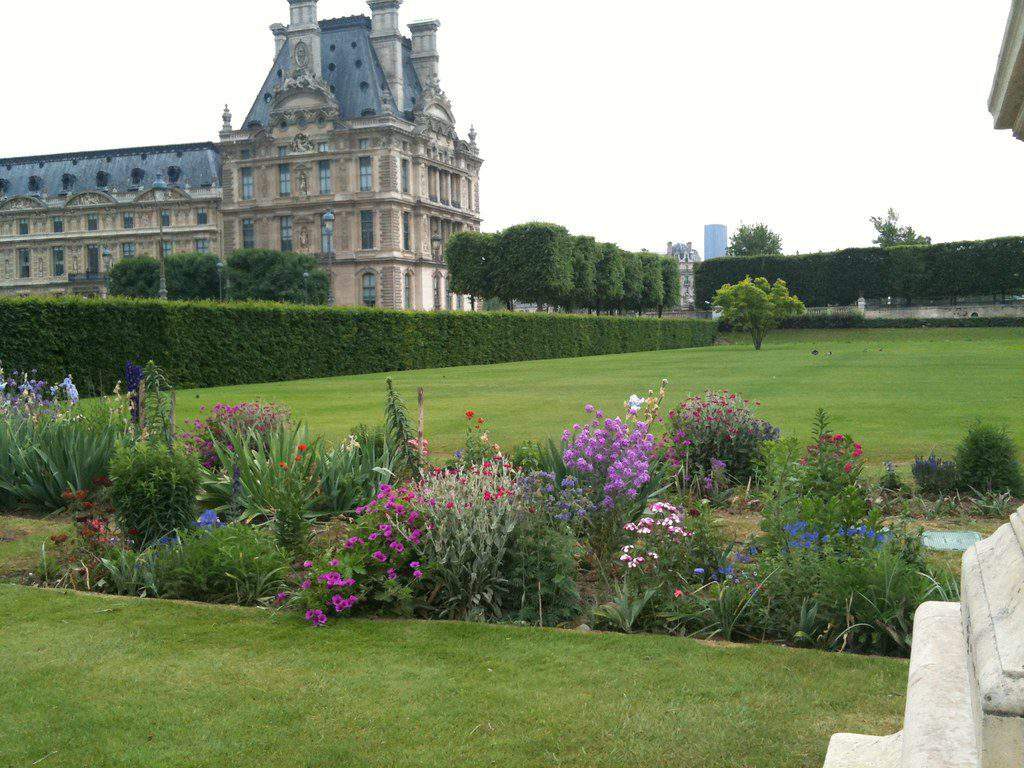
(283, 465)
(303, 448)
(848, 468)
(470, 414)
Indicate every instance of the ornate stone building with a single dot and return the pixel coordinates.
(688, 259)
(349, 153)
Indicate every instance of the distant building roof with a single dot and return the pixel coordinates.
(180, 165)
(350, 69)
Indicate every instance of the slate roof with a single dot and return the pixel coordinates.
(357, 79)
(180, 165)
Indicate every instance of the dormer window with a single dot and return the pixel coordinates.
(173, 174)
(137, 176)
(67, 182)
(34, 184)
(102, 179)
(4, 184)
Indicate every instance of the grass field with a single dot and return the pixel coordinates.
(900, 392)
(103, 682)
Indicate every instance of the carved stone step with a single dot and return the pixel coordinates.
(848, 750)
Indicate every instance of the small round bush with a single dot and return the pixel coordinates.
(987, 462)
(542, 569)
(235, 563)
(154, 491)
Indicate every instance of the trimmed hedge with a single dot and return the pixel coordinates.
(205, 344)
(946, 271)
(857, 320)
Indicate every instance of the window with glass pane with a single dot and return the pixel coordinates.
(408, 290)
(165, 218)
(92, 254)
(202, 245)
(24, 263)
(364, 143)
(366, 229)
(325, 177)
(286, 234)
(165, 247)
(285, 174)
(459, 303)
(58, 262)
(23, 226)
(248, 234)
(202, 217)
(248, 190)
(407, 231)
(92, 223)
(365, 174)
(448, 300)
(128, 250)
(369, 290)
(324, 147)
(58, 225)
(129, 221)
(406, 185)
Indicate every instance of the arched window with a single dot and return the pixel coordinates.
(137, 176)
(407, 290)
(34, 184)
(67, 182)
(173, 174)
(370, 289)
(437, 291)
(102, 179)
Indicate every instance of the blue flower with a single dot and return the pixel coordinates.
(209, 520)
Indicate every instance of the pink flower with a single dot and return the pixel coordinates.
(306, 584)
(317, 618)
(380, 557)
(848, 468)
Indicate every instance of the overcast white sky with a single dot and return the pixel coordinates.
(635, 122)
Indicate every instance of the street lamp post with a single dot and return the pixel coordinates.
(160, 187)
(305, 285)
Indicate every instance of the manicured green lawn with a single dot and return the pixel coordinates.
(93, 681)
(21, 539)
(900, 392)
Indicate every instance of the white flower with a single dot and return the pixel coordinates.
(635, 403)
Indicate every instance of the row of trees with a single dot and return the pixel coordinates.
(247, 275)
(544, 264)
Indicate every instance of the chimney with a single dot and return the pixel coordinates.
(424, 49)
(386, 37)
(304, 35)
(280, 34)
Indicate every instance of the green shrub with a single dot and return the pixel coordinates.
(207, 345)
(154, 491)
(943, 271)
(190, 277)
(257, 275)
(541, 566)
(987, 462)
(935, 475)
(230, 564)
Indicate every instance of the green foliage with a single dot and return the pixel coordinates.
(351, 474)
(583, 255)
(41, 460)
(529, 265)
(653, 281)
(470, 257)
(401, 432)
(610, 281)
(256, 275)
(154, 491)
(542, 569)
(935, 475)
(890, 233)
(756, 306)
(203, 345)
(987, 462)
(671, 280)
(235, 564)
(941, 272)
(633, 282)
(190, 277)
(754, 240)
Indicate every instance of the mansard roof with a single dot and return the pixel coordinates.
(357, 80)
(180, 165)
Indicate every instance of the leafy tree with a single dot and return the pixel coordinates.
(274, 276)
(757, 306)
(583, 255)
(654, 288)
(529, 267)
(610, 277)
(633, 282)
(755, 240)
(672, 286)
(190, 277)
(890, 232)
(470, 257)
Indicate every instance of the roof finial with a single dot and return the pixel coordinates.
(227, 118)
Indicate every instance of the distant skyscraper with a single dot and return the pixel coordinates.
(716, 240)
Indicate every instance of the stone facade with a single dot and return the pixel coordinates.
(349, 154)
(688, 259)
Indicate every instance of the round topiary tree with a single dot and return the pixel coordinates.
(987, 462)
